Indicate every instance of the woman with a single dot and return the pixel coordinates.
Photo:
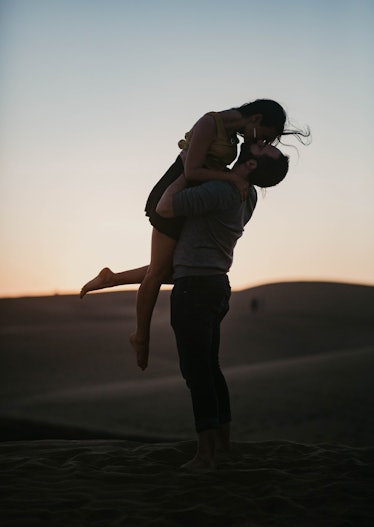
(207, 149)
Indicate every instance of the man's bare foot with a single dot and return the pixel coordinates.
(222, 438)
(198, 464)
(141, 349)
(226, 456)
(102, 280)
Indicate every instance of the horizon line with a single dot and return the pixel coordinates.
(132, 288)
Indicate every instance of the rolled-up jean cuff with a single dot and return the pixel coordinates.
(206, 424)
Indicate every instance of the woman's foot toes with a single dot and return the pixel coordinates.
(141, 349)
(102, 280)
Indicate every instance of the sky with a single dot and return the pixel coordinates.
(95, 95)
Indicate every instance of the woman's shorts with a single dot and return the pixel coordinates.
(172, 227)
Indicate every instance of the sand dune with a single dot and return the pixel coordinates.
(326, 299)
(59, 342)
(299, 367)
(310, 399)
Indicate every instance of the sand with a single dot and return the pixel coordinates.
(89, 439)
(122, 483)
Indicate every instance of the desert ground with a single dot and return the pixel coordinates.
(87, 438)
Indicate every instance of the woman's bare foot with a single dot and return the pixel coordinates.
(198, 464)
(102, 280)
(141, 348)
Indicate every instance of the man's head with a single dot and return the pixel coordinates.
(264, 164)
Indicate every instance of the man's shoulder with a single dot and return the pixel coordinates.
(224, 190)
(220, 186)
(252, 193)
(230, 189)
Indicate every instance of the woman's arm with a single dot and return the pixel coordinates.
(203, 134)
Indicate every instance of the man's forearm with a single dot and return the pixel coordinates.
(165, 205)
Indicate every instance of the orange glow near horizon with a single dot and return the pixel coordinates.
(75, 292)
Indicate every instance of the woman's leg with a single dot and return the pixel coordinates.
(106, 278)
(157, 273)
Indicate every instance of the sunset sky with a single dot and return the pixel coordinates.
(95, 95)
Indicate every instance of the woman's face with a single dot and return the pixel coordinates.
(263, 149)
(259, 133)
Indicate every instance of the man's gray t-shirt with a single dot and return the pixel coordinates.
(215, 219)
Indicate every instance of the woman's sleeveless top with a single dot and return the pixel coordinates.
(223, 149)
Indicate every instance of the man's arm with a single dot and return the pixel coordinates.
(197, 200)
(165, 205)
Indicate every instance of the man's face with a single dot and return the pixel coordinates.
(262, 149)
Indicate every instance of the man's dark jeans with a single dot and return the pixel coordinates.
(198, 305)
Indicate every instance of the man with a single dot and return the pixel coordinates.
(215, 219)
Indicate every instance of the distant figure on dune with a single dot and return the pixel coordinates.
(254, 305)
(206, 151)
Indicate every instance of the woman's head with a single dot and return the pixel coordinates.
(272, 113)
(265, 164)
(266, 122)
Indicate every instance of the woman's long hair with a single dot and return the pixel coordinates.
(274, 115)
